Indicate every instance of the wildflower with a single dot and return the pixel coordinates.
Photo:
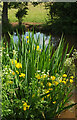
(14, 52)
(17, 72)
(29, 51)
(64, 75)
(64, 82)
(38, 71)
(50, 89)
(53, 77)
(49, 84)
(66, 79)
(13, 73)
(43, 76)
(18, 65)
(14, 61)
(22, 75)
(54, 102)
(71, 77)
(27, 37)
(27, 41)
(56, 83)
(38, 76)
(50, 97)
(34, 48)
(25, 106)
(71, 81)
(48, 92)
(37, 47)
(60, 80)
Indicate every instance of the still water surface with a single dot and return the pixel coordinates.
(38, 35)
(71, 39)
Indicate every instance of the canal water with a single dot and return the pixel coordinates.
(38, 35)
(70, 39)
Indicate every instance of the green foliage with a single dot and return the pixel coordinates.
(33, 81)
(22, 9)
(63, 17)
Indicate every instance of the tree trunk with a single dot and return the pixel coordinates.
(5, 21)
(5, 12)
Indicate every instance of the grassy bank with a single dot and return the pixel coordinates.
(36, 14)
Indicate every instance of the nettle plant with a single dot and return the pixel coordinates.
(34, 82)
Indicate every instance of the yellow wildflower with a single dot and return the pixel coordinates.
(64, 75)
(66, 79)
(34, 48)
(60, 80)
(29, 51)
(50, 89)
(27, 41)
(49, 84)
(64, 82)
(14, 61)
(53, 77)
(71, 81)
(25, 106)
(18, 65)
(43, 76)
(56, 83)
(22, 75)
(13, 73)
(72, 77)
(27, 37)
(37, 47)
(48, 92)
(50, 97)
(38, 76)
(54, 102)
(17, 72)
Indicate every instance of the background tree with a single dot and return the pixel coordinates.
(22, 9)
(63, 16)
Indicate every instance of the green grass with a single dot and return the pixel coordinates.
(36, 14)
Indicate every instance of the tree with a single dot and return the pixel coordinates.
(63, 16)
(22, 9)
(5, 12)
